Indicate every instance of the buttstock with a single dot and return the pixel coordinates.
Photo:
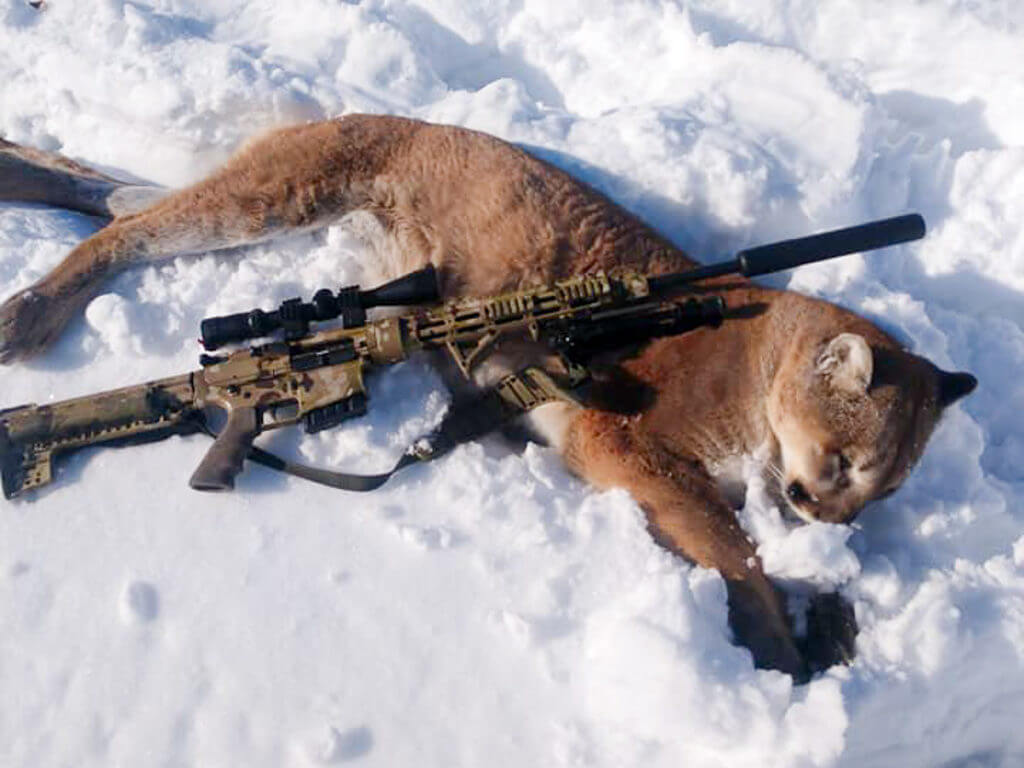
(25, 464)
(217, 470)
(12, 467)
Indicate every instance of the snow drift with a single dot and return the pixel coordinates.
(490, 609)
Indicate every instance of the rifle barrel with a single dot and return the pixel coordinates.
(787, 254)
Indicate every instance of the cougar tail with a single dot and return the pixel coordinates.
(35, 176)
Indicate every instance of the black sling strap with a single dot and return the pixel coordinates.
(467, 419)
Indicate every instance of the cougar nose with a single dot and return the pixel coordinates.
(796, 493)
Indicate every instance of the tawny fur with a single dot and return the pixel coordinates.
(491, 218)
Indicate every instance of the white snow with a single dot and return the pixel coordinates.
(490, 609)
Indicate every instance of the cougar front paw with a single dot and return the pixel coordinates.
(831, 632)
(28, 324)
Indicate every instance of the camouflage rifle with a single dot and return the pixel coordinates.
(317, 377)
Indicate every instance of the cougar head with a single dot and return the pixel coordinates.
(851, 419)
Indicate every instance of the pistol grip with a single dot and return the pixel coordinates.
(217, 470)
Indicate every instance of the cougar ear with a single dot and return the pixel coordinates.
(847, 363)
(953, 386)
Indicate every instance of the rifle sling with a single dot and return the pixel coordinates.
(467, 419)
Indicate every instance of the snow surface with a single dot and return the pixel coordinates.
(490, 609)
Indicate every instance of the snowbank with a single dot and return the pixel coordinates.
(490, 609)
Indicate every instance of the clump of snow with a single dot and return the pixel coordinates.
(812, 553)
(488, 608)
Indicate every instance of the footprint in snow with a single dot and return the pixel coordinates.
(140, 603)
(332, 746)
(426, 538)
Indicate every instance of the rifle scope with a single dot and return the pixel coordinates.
(803, 250)
(294, 315)
(350, 303)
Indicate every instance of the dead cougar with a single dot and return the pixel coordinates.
(840, 411)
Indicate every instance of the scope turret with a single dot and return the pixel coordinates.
(294, 315)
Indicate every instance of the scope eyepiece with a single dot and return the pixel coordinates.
(215, 332)
(294, 315)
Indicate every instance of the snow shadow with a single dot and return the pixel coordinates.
(471, 66)
(723, 31)
(971, 293)
(936, 119)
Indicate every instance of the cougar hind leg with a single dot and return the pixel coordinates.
(296, 179)
(34, 176)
